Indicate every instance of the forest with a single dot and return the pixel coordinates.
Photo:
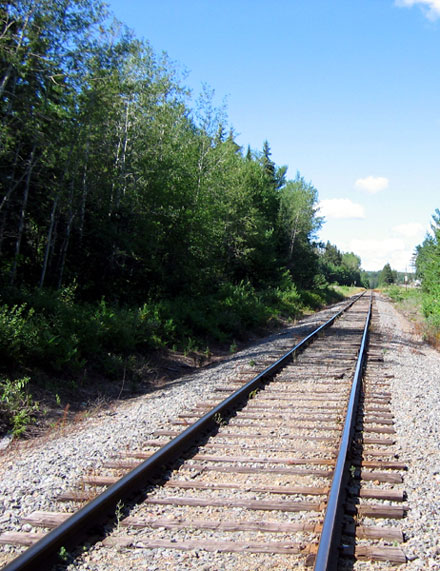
(130, 219)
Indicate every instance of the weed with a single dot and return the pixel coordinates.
(119, 513)
(54, 331)
(191, 346)
(252, 363)
(16, 404)
(63, 553)
(253, 393)
(65, 413)
(123, 383)
(219, 420)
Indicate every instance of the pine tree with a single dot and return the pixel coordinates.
(386, 276)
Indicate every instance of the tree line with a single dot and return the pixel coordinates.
(385, 277)
(129, 215)
(130, 218)
(111, 179)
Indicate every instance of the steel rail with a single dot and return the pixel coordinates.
(326, 557)
(69, 534)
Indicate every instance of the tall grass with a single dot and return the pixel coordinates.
(422, 307)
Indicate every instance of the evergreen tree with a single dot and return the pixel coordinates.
(386, 276)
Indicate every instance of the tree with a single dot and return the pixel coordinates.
(343, 268)
(351, 261)
(42, 49)
(427, 259)
(299, 224)
(331, 255)
(386, 276)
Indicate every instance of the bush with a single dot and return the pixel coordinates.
(53, 332)
(396, 293)
(431, 309)
(18, 336)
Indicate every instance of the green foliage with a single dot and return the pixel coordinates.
(387, 276)
(427, 264)
(431, 312)
(298, 225)
(343, 268)
(222, 316)
(312, 300)
(372, 278)
(113, 181)
(54, 332)
(18, 337)
(60, 334)
(422, 308)
(427, 259)
(17, 408)
(346, 291)
(396, 293)
(126, 189)
(63, 554)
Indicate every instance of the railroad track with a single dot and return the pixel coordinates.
(294, 468)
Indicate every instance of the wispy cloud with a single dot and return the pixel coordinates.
(372, 184)
(410, 230)
(335, 208)
(431, 8)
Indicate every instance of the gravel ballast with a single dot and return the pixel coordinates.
(33, 474)
(416, 406)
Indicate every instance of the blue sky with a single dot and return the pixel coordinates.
(346, 92)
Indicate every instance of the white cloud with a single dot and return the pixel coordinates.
(431, 8)
(410, 230)
(375, 253)
(375, 245)
(337, 208)
(372, 184)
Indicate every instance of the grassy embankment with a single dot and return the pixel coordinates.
(60, 349)
(420, 308)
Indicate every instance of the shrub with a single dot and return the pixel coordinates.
(17, 408)
(396, 293)
(18, 337)
(52, 331)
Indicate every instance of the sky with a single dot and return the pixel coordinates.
(346, 92)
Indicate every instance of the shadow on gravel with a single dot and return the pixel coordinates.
(350, 518)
